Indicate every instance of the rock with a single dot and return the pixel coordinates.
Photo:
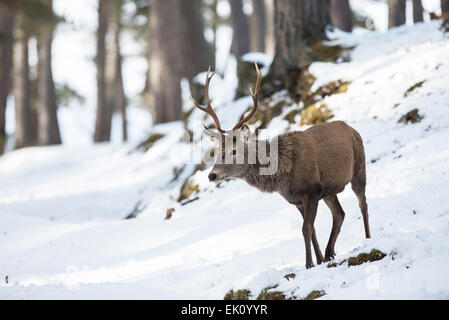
(315, 294)
(412, 116)
(242, 294)
(315, 114)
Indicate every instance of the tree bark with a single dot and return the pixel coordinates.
(257, 26)
(396, 13)
(104, 110)
(297, 24)
(48, 128)
(341, 15)
(26, 127)
(270, 42)
(417, 11)
(6, 43)
(240, 38)
(197, 52)
(445, 6)
(214, 28)
(115, 92)
(178, 50)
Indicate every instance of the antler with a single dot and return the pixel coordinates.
(255, 96)
(208, 109)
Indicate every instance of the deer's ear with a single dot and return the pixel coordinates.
(245, 133)
(213, 136)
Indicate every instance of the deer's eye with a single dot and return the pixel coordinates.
(234, 152)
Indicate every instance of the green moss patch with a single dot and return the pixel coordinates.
(290, 117)
(323, 52)
(373, 255)
(412, 116)
(269, 294)
(303, 88)
(361, 258)
(266, 113)
(315, 294)
(315, 114)
(413, 88)
(242, 294)
(328, 89)
(188, 189)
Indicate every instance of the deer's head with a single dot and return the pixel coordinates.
(233, 148)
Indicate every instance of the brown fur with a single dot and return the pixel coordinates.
(314, 164)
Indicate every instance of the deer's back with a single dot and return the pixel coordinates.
(328, 154)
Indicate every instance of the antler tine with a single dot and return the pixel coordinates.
(255, 96)
(208, 108)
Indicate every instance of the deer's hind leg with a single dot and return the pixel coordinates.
(338, 215)
(316, 246)
(358, 184)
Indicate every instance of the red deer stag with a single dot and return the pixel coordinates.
(312, 165)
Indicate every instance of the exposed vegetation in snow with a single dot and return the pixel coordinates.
(63, 232)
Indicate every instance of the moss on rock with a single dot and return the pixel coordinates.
(413, 88)
(290, 117)
(363, 257)
(315, 114)
(242, 294)
(188, 189)
(269, 294)
(315, 294)
(412, 116)
(265, 113)
(328, 53)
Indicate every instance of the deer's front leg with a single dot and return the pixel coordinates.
(310, 208)
(316, 246)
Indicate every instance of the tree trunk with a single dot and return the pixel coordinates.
(270, 42)
(417, 11)
(445, 6)
(297, 24)
(396, 13)
(121, 97)
(258, 26)
(6, 42)
(178, 50)
(197, 52)
(240, 38)
(104, 111)
(114, 91)
(341, 15)
(26, 127)
(215, 19)
(48, 129)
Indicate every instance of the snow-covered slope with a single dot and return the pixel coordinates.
(62, 209)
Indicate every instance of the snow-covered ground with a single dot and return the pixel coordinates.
(63, 232)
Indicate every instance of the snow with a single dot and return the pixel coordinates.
(73, 52)
(63, 232)
(377, 12)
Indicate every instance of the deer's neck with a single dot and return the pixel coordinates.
(262, 175)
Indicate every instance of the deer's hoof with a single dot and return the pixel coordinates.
(330, 255)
